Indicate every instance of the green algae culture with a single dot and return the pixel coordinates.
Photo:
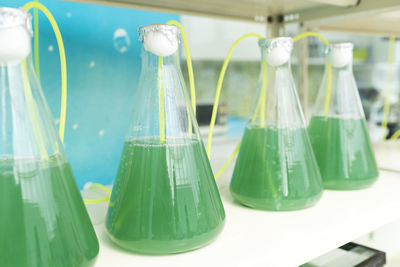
(164, 199)
(343, 152)
(43, 221)
(276, 170)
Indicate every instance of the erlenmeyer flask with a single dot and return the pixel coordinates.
(337, 128)
(276, 168)
(43, 221)
(164, 198)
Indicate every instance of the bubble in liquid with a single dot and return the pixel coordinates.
(101, 132)
(69, 14)
(75, 126)
(121, 40)
(92, 64)
(50, 48)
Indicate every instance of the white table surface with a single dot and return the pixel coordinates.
(260, 238)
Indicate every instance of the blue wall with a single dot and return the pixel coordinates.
(103, 60)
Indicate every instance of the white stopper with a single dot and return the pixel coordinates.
(159, 44)
(15, 35)
(341, 55)
(278, 51)
(15, 45)
(278, 56)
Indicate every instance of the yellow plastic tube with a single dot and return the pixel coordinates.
(63, 63)
(308, 34)
(219, 87)
(386, 105)
(189, 64)
(329, 67)
(36, 41)
(100, 200)
(395, 135)
(263, 92)
(161, 96)
(230, 159)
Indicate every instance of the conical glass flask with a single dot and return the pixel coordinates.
(276, 168)
(337, 128)
(164, 198)
(43, 221)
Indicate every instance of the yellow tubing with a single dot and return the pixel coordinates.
(230, 159)
(386, 105)
(36, 41)
(329, 67)
(161, 96)
(219, 87)
(100, 200)
(328, 88)
(189, 64)
(63, 63)
(307, 34)
(395, 135)
(263, 92)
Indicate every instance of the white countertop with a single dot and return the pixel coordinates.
(260, 238)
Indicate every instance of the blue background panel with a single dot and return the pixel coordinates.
(103, 61)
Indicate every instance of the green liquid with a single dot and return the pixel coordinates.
(343, 152)
(43, 221)
(276, 170)
(164, 198)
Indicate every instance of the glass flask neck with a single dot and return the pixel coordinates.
(346, 68)
(162, 105)
(277, 102)
(338, 95)
(152, 61)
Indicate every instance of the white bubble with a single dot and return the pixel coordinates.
(57, 121)
(50, 48)
(92, 64)
(101, 132)
(69, 14)
(75, 126)
(121, 40)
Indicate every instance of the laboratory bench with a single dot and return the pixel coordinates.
(261, 238)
